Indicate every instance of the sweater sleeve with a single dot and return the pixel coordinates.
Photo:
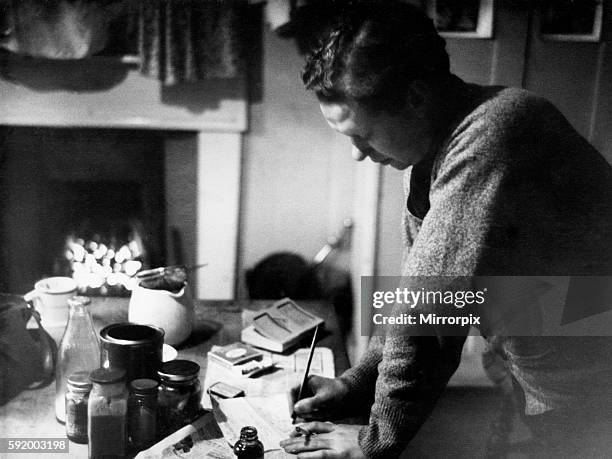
(361, 379)
(454, 240)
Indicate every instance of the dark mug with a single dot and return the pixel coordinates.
(135, 348)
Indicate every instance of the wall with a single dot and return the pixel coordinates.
(577, 77)
(298, 175)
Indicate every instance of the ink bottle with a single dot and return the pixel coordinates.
(249, 446)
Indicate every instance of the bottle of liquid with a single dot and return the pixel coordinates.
(249, 446)
(107, 414)
(79, 350)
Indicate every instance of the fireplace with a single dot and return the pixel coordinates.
(101, 237)
(194, 130)
(82, 202)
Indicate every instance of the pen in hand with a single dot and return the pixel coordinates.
(306, 371)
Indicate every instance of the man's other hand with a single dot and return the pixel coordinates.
(324, 440)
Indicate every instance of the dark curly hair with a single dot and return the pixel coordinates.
(372, 50)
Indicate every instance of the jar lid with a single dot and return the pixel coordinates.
(107, 375)
(84, 300)
(144, 386)
(178, 370)
(128, 333)
(80, 380)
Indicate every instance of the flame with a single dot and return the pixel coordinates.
(98, 265)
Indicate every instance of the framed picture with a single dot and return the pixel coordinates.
(462, 18)
(571, 20)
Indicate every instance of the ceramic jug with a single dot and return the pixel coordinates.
(173, 312)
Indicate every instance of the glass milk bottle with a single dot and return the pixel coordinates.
(79, 350)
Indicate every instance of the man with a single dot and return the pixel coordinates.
(498, 184)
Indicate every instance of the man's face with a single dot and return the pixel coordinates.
(399, 139)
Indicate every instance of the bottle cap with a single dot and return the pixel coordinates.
(84, 300)
(79, 380)
(144, 386)
(248, 433)
(178, 370)
(107, 375)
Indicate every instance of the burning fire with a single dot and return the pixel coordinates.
(96, 265)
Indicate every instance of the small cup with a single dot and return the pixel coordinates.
(50, 298)
(173, 312)
(135, 348)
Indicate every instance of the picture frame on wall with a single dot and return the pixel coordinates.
(462, 18)
(571, 20)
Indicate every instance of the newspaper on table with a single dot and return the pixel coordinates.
(269, 415)
(200, 439)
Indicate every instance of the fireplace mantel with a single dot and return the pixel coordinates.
(106, 93)
(203, 161)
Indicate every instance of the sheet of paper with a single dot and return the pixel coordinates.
(276, 382)
(289, 371)
(322, 362)
(269, 415)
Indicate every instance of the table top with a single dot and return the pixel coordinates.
(31, 414)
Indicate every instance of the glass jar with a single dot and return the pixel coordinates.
(78, 351)
(180, 395)
(78, 387)
(249, 446)
(142, 413)
(107, 414)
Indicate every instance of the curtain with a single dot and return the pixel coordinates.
(190, 40)
(177, 40)
(56, 29)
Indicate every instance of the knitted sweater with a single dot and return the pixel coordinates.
(512, 190)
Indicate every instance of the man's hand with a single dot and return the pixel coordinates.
(324, 440)
(325, 399)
